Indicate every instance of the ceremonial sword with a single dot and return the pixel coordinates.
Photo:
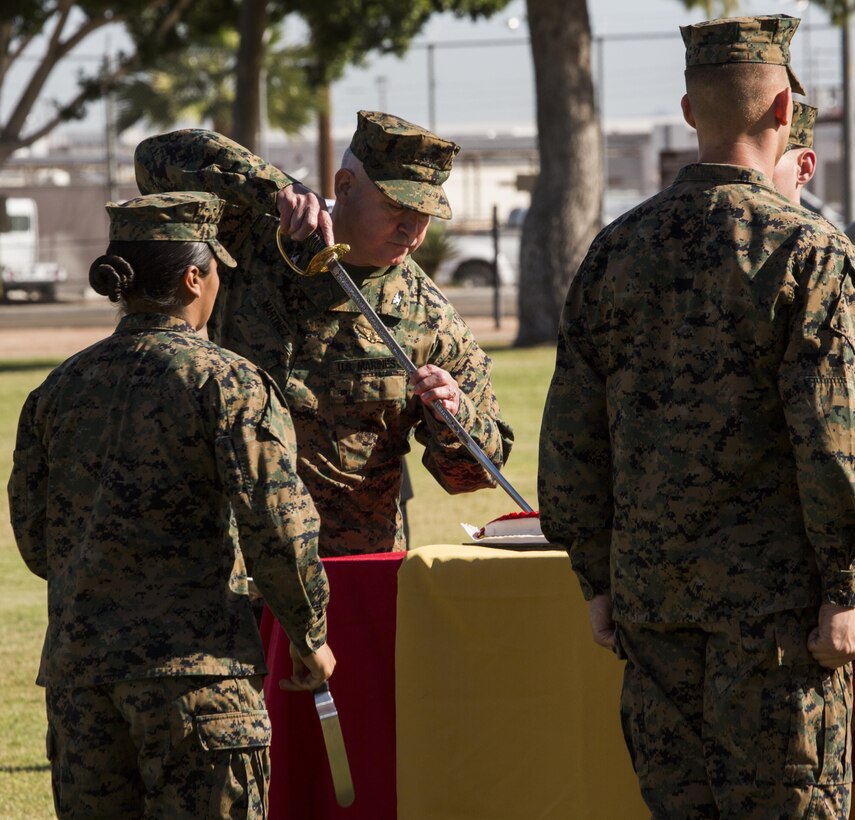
(326, 258)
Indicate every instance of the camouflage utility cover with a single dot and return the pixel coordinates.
(801, 129)
(138, 463)
(353, 410)
(406, 162)
(697, 455)
(762, 39)
(185, 216)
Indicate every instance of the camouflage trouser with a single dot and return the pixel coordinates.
(736, 720)
(182, 747)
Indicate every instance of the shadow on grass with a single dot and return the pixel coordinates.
(17, 366)
(32, 767)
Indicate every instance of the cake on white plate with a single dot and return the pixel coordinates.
(512, 528)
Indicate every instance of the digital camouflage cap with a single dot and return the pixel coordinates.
(184, 216)
(763, 39)
(801, 128)
(406, 162)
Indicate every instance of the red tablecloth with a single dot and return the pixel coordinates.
(361, 619)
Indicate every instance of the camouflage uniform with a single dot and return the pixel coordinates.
(138, 463)
(349, 398)
(697, 460)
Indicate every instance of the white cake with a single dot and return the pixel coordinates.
(517, 524)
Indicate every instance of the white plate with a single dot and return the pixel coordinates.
(510, 540)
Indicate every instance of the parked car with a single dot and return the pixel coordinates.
(471, 262)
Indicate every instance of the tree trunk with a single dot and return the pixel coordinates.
(326, 172)
(246, 115)
(565, 208)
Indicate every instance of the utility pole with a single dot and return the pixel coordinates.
(848, 116)
(112, 168)
(431, 68)
(381, 92)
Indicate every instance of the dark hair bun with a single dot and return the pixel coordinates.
(111, 276)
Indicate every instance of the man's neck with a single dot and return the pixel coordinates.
(759, 156)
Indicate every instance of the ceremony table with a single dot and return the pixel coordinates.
(468, 688)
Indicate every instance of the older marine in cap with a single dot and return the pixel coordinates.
(697, 458)
(353, 407)
(798, 164)
(139, 464)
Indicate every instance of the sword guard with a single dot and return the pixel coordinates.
(321, 261)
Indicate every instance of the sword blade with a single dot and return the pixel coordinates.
(349, 287)
(334, 742)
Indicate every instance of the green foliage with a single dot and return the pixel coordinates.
(157, 28)
(438, 246)
(344, 31)
(713, 8)
(838, 10)
(197, 84)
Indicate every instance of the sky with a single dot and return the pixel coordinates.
(483, 70)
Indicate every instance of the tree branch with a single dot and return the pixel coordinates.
(62, 112)
(173, 17)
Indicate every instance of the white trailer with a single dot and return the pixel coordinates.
(21, 270)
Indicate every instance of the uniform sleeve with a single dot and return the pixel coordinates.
(198, 160)
(277, 521)
(574, 468)
(450, 463)
(817, 386)
(28, 491)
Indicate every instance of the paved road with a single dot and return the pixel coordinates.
(470, 302)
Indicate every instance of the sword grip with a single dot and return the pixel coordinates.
(315, 242)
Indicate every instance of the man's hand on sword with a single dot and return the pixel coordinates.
(301, 212)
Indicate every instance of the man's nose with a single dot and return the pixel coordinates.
(412, 222)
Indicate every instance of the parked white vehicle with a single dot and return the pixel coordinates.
(472, 264)
(20, 268)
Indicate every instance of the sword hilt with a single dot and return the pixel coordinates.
(323, 255)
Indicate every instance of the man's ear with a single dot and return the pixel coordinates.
(191, 283)
(783, 106)
(806, 166)
(688, 114)
(343, 183)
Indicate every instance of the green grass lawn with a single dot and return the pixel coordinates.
(521, 379)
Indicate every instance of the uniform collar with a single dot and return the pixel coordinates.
(722, 174)
(136, 322)
(385, 289)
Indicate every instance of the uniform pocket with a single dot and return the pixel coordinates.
(233, 730)
(805, 715)
(236, 746)
(819, 749)
(365, 406)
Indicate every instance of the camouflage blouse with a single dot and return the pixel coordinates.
(139, 464)
(697, 453)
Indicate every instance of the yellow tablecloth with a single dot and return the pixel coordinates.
(506, 709)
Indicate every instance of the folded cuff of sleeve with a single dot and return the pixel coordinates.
(593, 575)
(272, 207)
(842, 589)
(314, 639)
